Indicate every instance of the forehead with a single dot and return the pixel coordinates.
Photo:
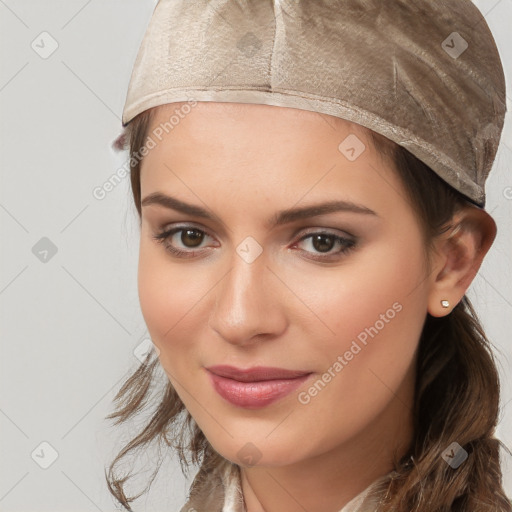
(255, 125)
(249, 135)
(162, 113)
(229, 151)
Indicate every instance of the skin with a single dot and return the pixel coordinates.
(244, 163)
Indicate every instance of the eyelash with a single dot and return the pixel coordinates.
(164, 235)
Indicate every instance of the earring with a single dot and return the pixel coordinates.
(445, 304)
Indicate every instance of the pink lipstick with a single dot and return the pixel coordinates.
(256, 387)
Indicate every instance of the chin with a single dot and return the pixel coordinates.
(257, 453)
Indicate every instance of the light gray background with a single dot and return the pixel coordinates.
(70, 324)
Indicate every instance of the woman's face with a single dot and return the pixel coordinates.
(259, 284)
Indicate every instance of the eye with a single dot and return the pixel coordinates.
(323, 242)
(191, 237)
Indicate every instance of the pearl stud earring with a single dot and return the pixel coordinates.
(445, 304)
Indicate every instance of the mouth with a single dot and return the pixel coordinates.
(256, 387)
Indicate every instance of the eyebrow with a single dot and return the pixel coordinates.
(282, 217)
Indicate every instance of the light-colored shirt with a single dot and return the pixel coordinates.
(220, 490)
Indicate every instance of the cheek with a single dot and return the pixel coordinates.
(168, 294)
(379, 288)
(376, 309)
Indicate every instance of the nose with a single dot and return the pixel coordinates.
(249, 303)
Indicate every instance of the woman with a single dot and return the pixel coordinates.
(309, 178)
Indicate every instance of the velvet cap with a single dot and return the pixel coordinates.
(424, 73)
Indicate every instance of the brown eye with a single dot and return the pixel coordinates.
(322, 245)
(323, 242)
(191, 237)
(181, 241)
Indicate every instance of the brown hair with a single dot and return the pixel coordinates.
(457, 388)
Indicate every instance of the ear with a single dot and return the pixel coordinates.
(456, 257)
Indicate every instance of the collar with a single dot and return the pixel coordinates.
(220, 490)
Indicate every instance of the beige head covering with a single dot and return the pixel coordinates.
(424, 73)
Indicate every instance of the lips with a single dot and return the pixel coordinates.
(255, 387)
(255, 374)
